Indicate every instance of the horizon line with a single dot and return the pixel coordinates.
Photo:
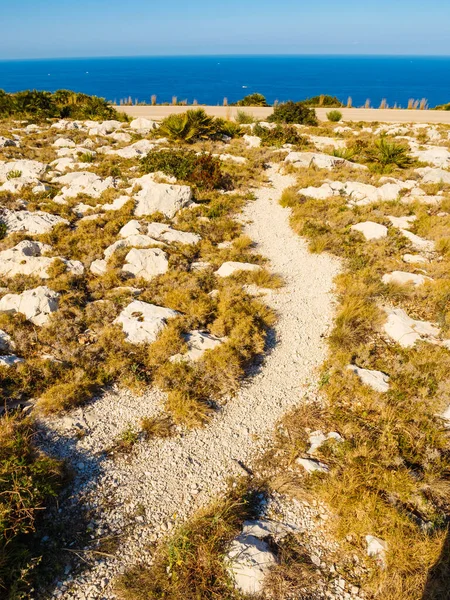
(231, 55)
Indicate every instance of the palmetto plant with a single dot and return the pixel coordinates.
(189, 127)
(387, 153)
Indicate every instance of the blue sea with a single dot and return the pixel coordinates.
(210, 79)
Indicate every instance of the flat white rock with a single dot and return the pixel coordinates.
(36, 304)
(252, 141)
(376, 548)
(402, 222)
(321, 161)
(142, 322)
(414, 259)
(83, 182)
(198, 342)
(143, 126)
(9, 360)
(136, 150)
(377, 380)
(160, 197)
(230, 267)
(29, 222)
(417, 242)
(312, 466)
(146, 263)
(432, 175)
(249, 560)
(26, 259)
(406, 331)
(317, 438)
(371, 230)
(402, 278)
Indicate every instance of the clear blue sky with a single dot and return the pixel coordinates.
(62, 28)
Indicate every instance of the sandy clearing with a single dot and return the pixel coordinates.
(171, 478)
(369, 115)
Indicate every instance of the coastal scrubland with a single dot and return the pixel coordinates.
(109, 223)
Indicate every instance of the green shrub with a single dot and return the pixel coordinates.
(14, 174)
(385, 154)
(252, 100)
(195, 125)
(279, 136)
(334, 116)
(244, 118)
(293, 112)
(61, 104)
(323, 100)
(27, 479)
(439, 107)
(201, 170)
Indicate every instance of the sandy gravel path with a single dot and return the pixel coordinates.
(388, 115)
(163, 482)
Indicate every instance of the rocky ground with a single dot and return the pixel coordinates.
(138, 498)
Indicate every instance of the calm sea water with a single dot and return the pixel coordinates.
(208, 79)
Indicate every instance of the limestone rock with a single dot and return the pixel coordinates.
(29, 222)
(63, 143)
(9, 360)
(146, 263)
(312, 466)
(197, 342)
(143, 126)
(98, 267)
(438, 156)
(240, 160)
(26, 259)
(136, 150)
(403, 278)
(322, 142)
(31, 169)
(377, 380)
(417, 242)
(137, 241)
(432, 175)
(321, 161)
(376, 548)
(414, 259)
(160, 197)
(402, 222)
(317, 438)
(36, 304)
(231, 267)
(252, 141)
(6, 142)
(371, 230)
(83, 182)
(249, 559)
(406, 331)
(6, 342)
(142, 322)
(166, 233)
(103, 128)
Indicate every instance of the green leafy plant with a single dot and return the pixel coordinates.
(385, 154)
(14, 174)
(87, 157)
(278, 136)
(252, 100)
(334, 116)
(293, 112)
(61, 104)
(201, 170)
(244, 118)
(323, 100)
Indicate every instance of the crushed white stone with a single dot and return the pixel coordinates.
(176, 476)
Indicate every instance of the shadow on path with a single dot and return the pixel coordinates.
(437, 586)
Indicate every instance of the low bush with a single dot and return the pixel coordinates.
(252, 100)
(323, 100)
(279, 136)
(385, 154)
(28, 478)
(244, 118)
(194, 126)
(62, 104)
(202, 171)
(334, 116)
(293, 112)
